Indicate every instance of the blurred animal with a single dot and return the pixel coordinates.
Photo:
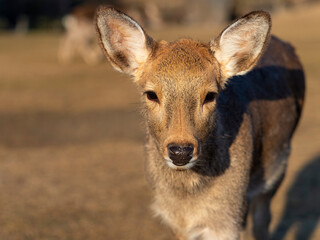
(80, 38)
(219, 117)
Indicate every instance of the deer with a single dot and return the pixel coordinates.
(79, 39)
(219, 120)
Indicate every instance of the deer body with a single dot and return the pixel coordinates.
(78, 39)
(247, 144)
(219, 116)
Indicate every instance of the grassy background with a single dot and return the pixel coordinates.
(71, 143)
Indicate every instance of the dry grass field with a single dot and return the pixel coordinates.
(71, 143)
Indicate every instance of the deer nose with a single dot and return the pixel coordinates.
(180, 155)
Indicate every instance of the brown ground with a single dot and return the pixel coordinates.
(71, 144)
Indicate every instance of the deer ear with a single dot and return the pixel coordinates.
(122, 39)
(239, 47)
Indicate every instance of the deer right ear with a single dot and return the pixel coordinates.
(239, 47)
(122, 39)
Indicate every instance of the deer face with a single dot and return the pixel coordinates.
(179, 93)
(180, 81)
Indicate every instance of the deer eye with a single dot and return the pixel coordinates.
(152, 96)
(209, 98)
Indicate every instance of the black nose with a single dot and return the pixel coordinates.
(180, 155)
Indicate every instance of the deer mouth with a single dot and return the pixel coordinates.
(181, 165)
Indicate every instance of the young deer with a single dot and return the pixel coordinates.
(219, 116)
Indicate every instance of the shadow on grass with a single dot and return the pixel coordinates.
(303, 204)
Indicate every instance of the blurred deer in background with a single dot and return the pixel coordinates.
(219, 117)
(80, 37)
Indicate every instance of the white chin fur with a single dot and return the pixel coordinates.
(184, 167)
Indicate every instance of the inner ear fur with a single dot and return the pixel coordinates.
(123, 40)
(239, 47)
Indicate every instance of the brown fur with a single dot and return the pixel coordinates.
(241, 138)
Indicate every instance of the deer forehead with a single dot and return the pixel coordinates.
(182, 64)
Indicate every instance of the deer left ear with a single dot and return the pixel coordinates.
(124, 42)
(239, 47)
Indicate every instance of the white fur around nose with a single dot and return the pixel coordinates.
(211, 234)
